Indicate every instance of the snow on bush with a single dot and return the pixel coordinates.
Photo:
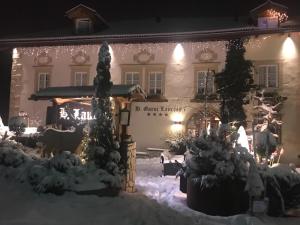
(36, 174)
(64, 161)
(12, 155)
(63, 172)
(283, 188)
(212, 159)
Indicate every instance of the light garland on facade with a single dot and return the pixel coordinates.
(122, 50)
(282, 17)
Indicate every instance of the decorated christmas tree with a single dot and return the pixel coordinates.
(102, 148)
(234, 82)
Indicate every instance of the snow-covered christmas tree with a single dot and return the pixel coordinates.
(102, 148)
(234, 82)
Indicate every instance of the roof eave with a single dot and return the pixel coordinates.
(144, 38)
(268, 2)
(80, 5)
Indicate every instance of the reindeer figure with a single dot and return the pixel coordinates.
(56, 141)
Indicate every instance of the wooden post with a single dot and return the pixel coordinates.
(129, 148)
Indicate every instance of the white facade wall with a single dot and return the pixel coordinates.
(286, 53)
(151, 131)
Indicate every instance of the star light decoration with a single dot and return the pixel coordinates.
(123, 50)
(282, 17)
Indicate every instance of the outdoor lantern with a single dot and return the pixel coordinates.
(124, 117)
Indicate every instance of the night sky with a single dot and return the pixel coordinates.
(31, 15)
(28, 16)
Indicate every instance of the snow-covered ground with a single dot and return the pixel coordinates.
(165, 190)
(158, 201)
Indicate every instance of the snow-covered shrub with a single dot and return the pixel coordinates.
(283, 188)
(177, 144)
(212, 159)
(115, 156)
(53, 183)
(17, 124)
(11, 154)
(63, 172)
(109, 179)
(63, 161)
(36, 174)
(221, 175)
(112, 168)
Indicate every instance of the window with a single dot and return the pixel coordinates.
(80, 79)
(205, 79)
(155, 83)
(150, 77)
(83, 26)
(43, 81)
(268, 76)
(132, 78)
(267, 22)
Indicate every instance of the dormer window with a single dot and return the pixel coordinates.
(267, 22)
(85, 20)
(83, 26)
(269, 15)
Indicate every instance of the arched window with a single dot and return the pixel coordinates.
(198, 121)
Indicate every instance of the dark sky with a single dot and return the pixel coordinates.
(32, 15)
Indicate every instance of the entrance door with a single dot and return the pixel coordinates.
(197, 123)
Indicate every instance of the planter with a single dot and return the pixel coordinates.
(170, 169)
(226, 199)
(183, 184)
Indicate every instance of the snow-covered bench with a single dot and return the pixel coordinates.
(142, 154)
(172, 165)
(156, 152)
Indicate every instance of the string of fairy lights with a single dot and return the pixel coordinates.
(282, 17)
(123, 50)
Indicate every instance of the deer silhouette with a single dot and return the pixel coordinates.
(56, 141)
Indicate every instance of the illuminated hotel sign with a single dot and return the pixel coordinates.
(78, 114)
(160, 109)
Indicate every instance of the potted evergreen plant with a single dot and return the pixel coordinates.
(217, 171)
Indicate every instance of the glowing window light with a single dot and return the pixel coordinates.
(178, 53)
(289, 50)
(177, 117)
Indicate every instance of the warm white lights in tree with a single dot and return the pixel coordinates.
(282, 17)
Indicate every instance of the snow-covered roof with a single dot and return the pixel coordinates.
(149, 30)
(80, 6)
(269, 4)
(85, 91)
